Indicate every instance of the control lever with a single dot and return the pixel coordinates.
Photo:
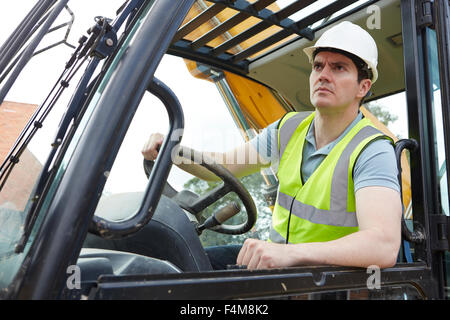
(220, 217)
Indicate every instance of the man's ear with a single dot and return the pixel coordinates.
(364, 87)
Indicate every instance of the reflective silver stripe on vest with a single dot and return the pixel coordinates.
(289, 127)
(339, 182)
(337, 215)
(319, 216)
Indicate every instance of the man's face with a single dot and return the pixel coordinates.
(333, 82)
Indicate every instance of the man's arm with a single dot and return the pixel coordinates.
(376, 243)
(241, 161)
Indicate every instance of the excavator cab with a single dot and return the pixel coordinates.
(90, 219)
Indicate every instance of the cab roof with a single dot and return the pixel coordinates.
(264, 42)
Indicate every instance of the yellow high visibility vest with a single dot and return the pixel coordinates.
(323, 209)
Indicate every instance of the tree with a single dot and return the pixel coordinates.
(254, 184)
(377, 110)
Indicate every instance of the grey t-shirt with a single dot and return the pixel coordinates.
(378, 154)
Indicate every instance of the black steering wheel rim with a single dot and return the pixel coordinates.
(230, 184)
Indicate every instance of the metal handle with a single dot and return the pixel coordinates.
(416, 236)
(158, 176)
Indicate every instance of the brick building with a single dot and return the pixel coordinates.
(13, 117)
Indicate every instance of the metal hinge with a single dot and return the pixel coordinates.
(424, 13)
(102, 39)
(440, 232)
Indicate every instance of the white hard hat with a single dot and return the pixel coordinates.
(351, 38)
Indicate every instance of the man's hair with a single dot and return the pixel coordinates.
(364, 71)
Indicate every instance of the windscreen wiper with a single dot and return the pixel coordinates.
(101, 44)
(67, 24)
(15, 44)
(36, 121)
(20, 35)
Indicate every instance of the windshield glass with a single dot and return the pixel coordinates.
(209, 127)
(21, 103)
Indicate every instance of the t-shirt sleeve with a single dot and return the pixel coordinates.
(266, 143)
(376, 166)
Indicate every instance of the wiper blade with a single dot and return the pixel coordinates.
(28, 53)
(69, 24)
(37, 120)
(98, 48)
(87, 47)
(71, 113)
(20, 35)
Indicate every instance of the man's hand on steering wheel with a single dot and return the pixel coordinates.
(151, 148)
(230, 183)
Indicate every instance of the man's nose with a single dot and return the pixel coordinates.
(325, 73)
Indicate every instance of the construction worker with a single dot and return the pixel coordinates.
(338, 200)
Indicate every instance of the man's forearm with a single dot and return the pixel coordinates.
(241, 162)
(377, 242)
(362, 248)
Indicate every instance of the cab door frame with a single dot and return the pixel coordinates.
(442, 27)
(45, 270)
(425, 274)
(417, 18)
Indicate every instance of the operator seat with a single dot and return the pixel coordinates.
(169, 236)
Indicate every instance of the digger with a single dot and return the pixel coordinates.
(45, 235)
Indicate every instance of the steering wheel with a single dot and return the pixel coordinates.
(229, 184)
